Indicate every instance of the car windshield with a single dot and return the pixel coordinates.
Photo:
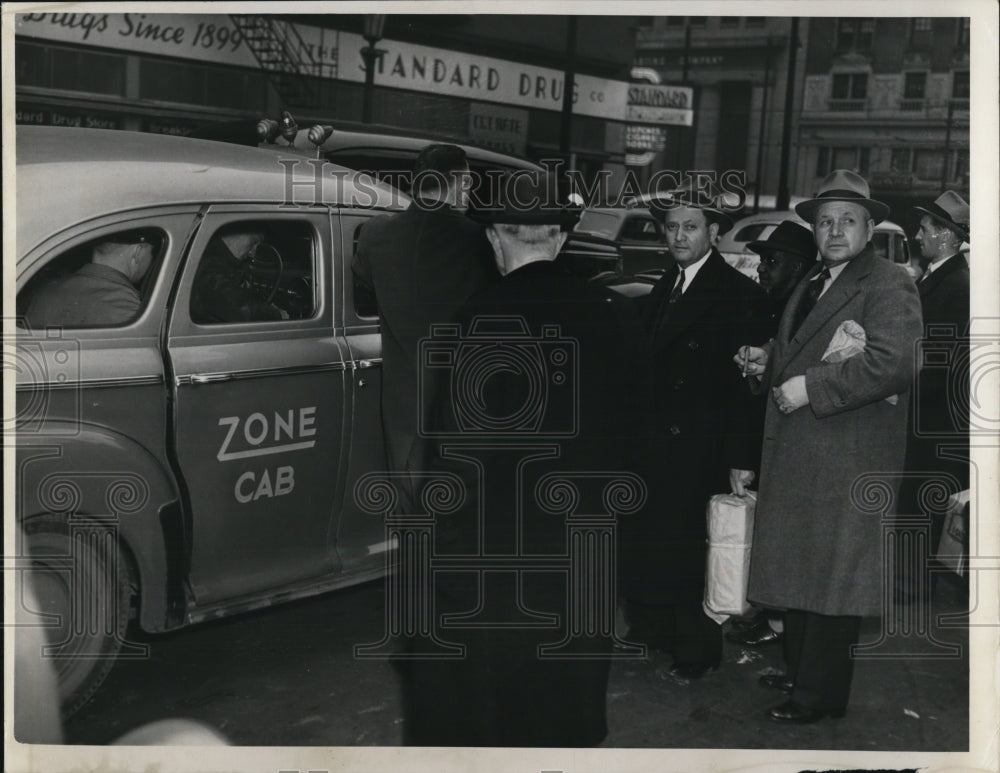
(598, 223)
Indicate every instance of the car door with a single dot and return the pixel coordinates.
(259, 406)
(361, 535)
(643, 244)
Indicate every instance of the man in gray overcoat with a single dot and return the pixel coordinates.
(832, 419)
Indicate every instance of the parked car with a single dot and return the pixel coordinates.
(171, 471)
(889, 241)
(381, 151)
(626, 241)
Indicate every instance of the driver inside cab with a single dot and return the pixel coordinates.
(223, 288)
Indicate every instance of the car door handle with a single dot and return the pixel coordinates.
(363, 364)
(212, 378)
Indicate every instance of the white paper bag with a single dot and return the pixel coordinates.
(730, 532)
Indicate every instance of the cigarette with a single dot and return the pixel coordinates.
(746, 360)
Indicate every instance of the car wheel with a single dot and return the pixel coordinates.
(83, 590)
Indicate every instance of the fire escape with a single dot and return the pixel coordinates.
(286, 59)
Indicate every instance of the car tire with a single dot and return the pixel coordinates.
(83, 589)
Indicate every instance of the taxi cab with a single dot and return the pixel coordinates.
(174, 468)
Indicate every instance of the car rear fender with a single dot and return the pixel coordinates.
(86, 470)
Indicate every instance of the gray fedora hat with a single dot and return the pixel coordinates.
(952, 211)
(708, 198)
(843, 185)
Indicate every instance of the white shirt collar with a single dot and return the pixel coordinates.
(691, 271)
(936, 264)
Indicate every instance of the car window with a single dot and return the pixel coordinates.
(256, 271)
(104, 282)
(880, 242)
(365, 305)
(598, 223)
(751, 232)
(900, 252)
(642, 229)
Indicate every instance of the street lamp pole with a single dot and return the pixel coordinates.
(374, 24)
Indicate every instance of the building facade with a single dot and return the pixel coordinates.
(888, 97)
(495, 81)
(738, 67)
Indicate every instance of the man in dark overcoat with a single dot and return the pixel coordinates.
(705, 427)
(831, 420)
(584, 340)
(938, 430)
(421, 264)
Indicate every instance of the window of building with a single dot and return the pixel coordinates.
(849, 91)
(697, 21)
(960, 85)
(854, 158)
(914, 91)
(756, 21)
(823, 162)
(963, 32)
(729, 22)
(675, 21)
(900, 160)
(928, 164)
(66, 68)
(855, 34)
(960, 166)
(256, 271)
(169, 81)
(920, 32)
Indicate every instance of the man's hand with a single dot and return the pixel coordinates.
(751, 360)
(739, 480)
(791, 395)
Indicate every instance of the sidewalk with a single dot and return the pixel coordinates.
(907, 701)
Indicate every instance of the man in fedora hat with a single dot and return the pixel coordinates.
(421, 265)
(940, 414)
(505, 433)
(705, 434)
(832, 420)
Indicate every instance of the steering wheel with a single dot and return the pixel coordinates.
(267, 260)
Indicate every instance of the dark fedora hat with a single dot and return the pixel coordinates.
(707, 198)
(843, 185)
(951, 211)
(530, 197)
(788, 237)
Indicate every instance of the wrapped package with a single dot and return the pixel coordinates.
(730, 532)
(848, 340)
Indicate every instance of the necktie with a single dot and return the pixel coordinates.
(678, 289)
(809, 299)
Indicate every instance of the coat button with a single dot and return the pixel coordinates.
(675, 430)
(692, 345)
(678, 383)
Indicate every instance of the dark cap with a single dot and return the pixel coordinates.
(530, 198)
(788, 237)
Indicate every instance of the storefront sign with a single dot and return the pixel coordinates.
(44, 116)
(504, 129)
(214, 37)
(648, 103)
(640, 138)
